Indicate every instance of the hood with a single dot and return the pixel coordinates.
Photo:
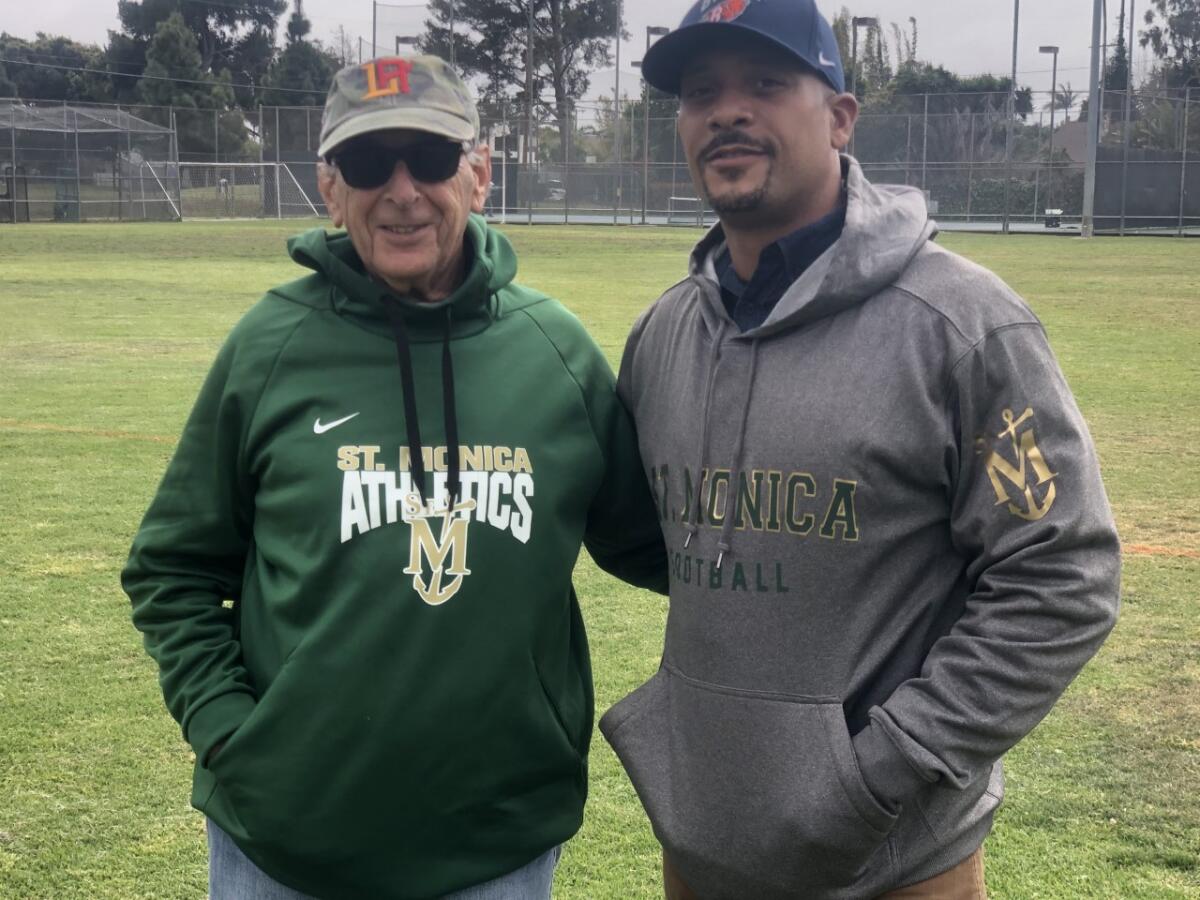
(491, 265)
(885, 227)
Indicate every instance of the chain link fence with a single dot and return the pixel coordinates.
(622, 165)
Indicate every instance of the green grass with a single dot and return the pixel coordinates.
(106, 332)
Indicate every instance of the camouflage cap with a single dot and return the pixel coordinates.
(419, 92)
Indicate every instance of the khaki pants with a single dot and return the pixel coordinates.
(963, 882)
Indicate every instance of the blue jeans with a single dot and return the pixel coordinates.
(232, 876)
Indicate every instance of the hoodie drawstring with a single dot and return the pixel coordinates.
(450, 413)
(692, 523)
(725, 544)
(412, 425)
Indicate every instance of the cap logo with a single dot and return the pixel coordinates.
(387, 77)
(726, 11)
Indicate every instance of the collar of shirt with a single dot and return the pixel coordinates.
(750, 302)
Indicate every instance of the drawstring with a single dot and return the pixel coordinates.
(725, 544)
(450, 414)
(416, 452)
(692, 523)
(416, 455)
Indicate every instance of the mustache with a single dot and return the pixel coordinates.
(733, 136)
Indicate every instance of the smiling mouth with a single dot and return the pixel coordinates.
(402, 230)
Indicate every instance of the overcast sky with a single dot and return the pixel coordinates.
(966, 36)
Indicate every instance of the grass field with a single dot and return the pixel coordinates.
(105, 333)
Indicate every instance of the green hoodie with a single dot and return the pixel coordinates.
(405, 700)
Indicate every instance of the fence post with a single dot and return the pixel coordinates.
(504, 165)
(565, 140)
(530, 126)
(970, 166)
(908, 151)
(79, 179)
(1187, 102)
(924, 141)
(216, 137)
(1125, 131)
(12, 133)
(178, 168)
(262, 144)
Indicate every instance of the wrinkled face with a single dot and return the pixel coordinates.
(409, 233)
(761, 133)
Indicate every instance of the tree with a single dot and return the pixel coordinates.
(571, 38)
(175, 78)
(1173, 34)
(303, 66)
(31, 80)
(1064, 100)
(238, 36)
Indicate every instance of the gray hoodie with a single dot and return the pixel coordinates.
(891, 552)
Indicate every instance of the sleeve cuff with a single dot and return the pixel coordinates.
(216, 720)
(886, 771)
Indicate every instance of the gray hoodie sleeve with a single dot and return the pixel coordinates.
(1029, 514)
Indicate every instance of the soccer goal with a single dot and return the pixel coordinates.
(685, 211)
(241, 191)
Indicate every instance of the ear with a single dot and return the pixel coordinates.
(843, 113)
(481, 172)
(327, 184)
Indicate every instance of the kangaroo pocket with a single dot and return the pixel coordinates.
(751, 793)
(343, 768)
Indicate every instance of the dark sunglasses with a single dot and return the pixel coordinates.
(368, 165)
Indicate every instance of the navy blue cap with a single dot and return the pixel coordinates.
(795, 26)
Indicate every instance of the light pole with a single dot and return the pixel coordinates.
(1088, 226)
(1012, 112)
(1053, 87)
(855, 23)
(651, 31)
(617, 112)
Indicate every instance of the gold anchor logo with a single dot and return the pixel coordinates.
(1001, 470)
(451, 543)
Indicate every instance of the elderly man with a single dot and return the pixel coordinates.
(891, 549)
(356, 574)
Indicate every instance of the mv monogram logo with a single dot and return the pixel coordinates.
(1029, 462)
(451, 544)
(386, 77)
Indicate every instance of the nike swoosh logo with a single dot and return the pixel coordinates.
(825, 62)
(318, 428)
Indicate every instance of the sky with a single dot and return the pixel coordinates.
(966, 36)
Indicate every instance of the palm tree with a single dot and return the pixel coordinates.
(1064, 99)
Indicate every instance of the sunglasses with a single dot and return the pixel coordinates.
(367, 165)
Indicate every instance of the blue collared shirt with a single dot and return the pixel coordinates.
(750, 302)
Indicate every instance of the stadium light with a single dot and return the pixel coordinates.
(652, 31)
(1049, 48)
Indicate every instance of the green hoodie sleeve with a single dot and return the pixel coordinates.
(623, 533)
(189, 555)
